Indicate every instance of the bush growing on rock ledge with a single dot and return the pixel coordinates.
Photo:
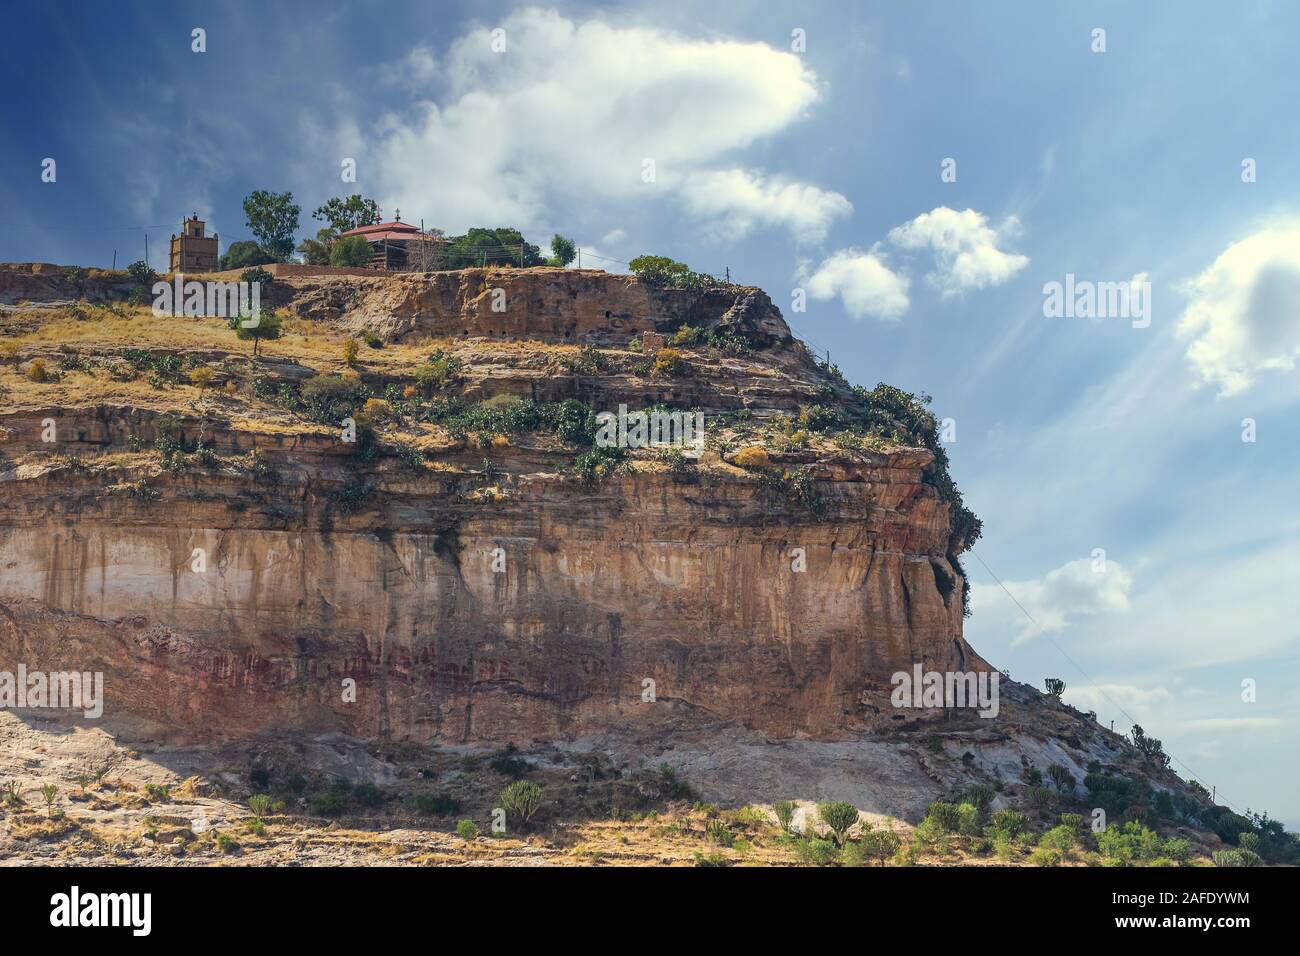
(664, 273)
(594, 465)
(666, 362)
(141, 273)
(752, 457)
(521, 801)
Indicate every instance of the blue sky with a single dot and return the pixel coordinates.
(819, 170)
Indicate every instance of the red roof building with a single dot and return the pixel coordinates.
(399, 246)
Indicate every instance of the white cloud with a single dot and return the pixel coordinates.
(742, 199)
(418, 68)
(1243, 317)
(1072, 590)
(864, 284)
(574, 109)
(965, 247)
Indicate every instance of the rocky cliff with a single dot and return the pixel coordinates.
(195, 524)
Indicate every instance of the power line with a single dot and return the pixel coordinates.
(1085, 674)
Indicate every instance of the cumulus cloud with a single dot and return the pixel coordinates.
(743, 199)
(864, 283)
(577, 108)
(1072, 590)
(1243, 313)
(965, 248)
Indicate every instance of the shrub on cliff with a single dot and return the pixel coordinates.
(328, 399)
(570, 420)
(595, 465)
(521, 801)
(141, 273)
(784, 810)
(840, 817)
(880, 845)
(439, 371)
(1234, 858)
(815, 851)
(588, 361)
(1007, 824)
(351, 497)
(664, 273)
(508, 764)
(943, 817)
(256, 276)
(1152, 750)
(436, 804)
(796, 486)
(1061, 778)
(718, 832)
(266, 329)
(666, 362)
(1135, 844)
(1062, 839)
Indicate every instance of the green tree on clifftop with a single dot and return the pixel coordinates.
(273, 220)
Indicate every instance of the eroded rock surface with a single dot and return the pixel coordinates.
(466, 603)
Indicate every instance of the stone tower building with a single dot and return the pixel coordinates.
(192, 251)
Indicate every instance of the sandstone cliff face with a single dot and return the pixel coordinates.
(468, 604)
(549, 305)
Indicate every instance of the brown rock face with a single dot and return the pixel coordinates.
(548, 305)
(422, 608)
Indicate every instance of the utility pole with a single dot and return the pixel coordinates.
(146, 248)
(728, 275)
(579, 257)
(114, 260)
